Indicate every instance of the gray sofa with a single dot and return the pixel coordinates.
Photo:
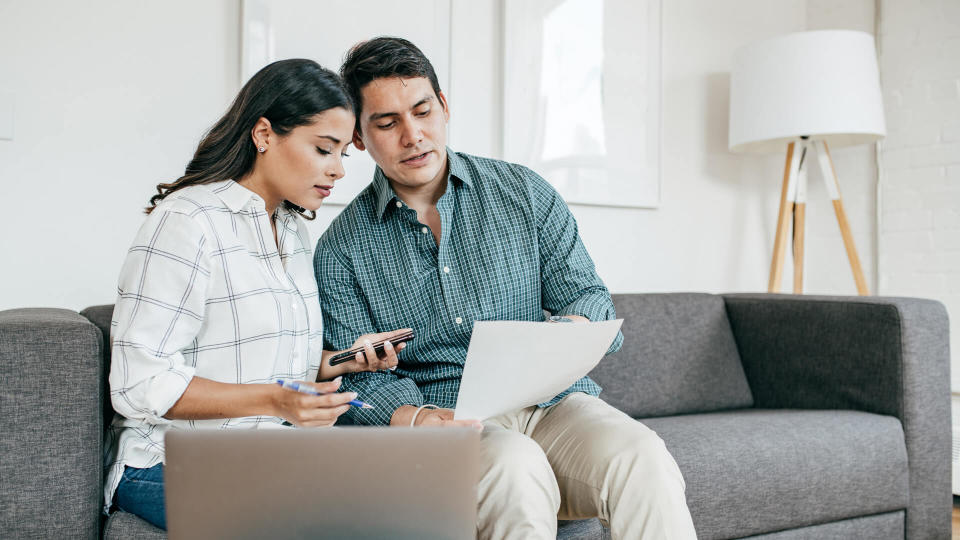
(790, 416)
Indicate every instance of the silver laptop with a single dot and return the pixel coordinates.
(351, 482)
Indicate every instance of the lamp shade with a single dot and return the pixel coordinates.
(823, 84)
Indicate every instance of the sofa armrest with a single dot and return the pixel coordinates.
(882, 355)
(51, 459)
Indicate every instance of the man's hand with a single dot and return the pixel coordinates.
(431, 418)
(568, 318)
(444, 418)
(368, 359)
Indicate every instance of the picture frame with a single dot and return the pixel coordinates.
(582, 97)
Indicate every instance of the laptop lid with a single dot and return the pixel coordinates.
(405, 483)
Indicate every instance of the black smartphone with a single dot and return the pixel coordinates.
(378, 347)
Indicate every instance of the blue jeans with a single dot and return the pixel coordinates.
(140, 492)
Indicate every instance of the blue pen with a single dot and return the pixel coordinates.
(294, 385)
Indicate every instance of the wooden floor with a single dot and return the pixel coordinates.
(956, 518)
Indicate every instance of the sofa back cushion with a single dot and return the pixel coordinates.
(101, 316)
(678, 357)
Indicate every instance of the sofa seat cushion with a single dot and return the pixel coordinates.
(678, 357)
(887, 526)
(756, 471)
(124, 525)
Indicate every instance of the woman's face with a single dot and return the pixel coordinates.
(302, 166)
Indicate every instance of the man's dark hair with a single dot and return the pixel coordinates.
(382, 57)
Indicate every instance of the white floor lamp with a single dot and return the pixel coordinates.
(805, 91)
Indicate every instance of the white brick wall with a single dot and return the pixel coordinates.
(919, 209)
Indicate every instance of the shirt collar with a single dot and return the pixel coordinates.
(234, 195)
(237, 197)
(384, 194)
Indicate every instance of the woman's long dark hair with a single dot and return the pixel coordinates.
(288, 93)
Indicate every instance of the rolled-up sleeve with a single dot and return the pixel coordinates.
(384, 391)
(346, 317)
(570, 282)
(159, 312)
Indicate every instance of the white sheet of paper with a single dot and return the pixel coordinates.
(514, 364)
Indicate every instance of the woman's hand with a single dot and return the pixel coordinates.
(367, 360)
(305, 410)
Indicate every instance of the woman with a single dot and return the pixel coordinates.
(217, 298)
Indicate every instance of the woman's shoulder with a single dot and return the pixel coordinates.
(195, 199)
(184, 214)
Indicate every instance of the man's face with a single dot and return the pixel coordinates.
(404, 127)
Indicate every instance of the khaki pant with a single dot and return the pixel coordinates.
(577, 459)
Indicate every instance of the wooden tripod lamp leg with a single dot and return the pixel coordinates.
(799, 215)
(783, 218)
(833, 187)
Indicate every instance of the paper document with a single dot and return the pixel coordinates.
(514, 364)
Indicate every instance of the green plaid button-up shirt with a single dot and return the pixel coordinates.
(508, 250)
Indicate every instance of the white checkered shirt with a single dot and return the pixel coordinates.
(204, 292)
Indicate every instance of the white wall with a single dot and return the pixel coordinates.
(920, 195)
(714, 228)
(111, 97)
(114, 100)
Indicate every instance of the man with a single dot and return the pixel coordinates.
(441, 239)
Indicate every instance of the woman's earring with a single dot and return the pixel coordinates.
(262, 149)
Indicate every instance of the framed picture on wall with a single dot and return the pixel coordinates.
(581, 102)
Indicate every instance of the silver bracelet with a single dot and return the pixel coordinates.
(420, 408)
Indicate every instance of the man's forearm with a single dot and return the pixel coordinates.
(386, 392)
(594, 304)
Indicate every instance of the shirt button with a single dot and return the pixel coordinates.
(399, 204)
(446, 269)
(458, 320)
(294, 307)
(424, 230)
